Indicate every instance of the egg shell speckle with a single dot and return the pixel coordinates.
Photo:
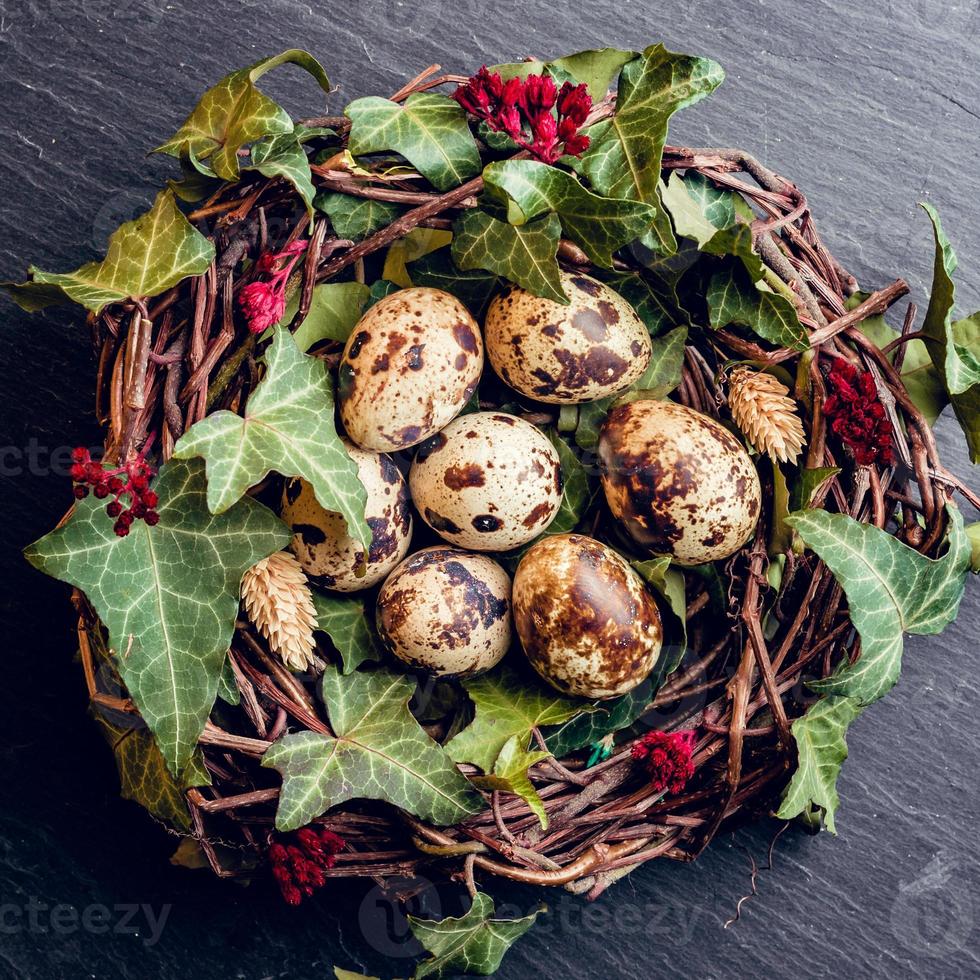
(595, 347)
(488, 482)
(679, 481)
(320, 540)
(409, 366)
(585, 619)
(446, 612)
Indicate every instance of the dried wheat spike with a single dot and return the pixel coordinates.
(764, 411)
(278, 601)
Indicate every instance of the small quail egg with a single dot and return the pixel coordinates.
(409, 366)
(585, 619)
(320, 539)
(680, 483)
(488, 482)
(594, 347)
(446, 612)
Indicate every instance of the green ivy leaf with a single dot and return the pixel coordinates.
(595, 68)
(283, 156)
(145, 257)
(624, 157)
(822, 750)
(733, 297)
(523, 254)
(429, 130)
(600, 225)
(973, 533)
(669, 584)
(891, 590)
(288, 428)
(234, 113)
(657, 306)
(167, 594)
(335, 308)
(227, 685)
(416, 244)
(379, 753)
(598, 720)
(509, 775)
(953, 347)
(508, 704)
(811, 480)
(379, 289)
(356, 217)
(577, 495)
(346, 620)
(474, 943)
(474, 288)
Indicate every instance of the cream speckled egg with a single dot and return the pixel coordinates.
(320, 539)
(409, 366)
(680, 482)
(487, 482)
(447, 612)
(585, 619)
(594, 347)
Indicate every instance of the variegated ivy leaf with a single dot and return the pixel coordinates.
(508, 704)
(145, 257)
(346, 621)
(891, 590)
(473, 943)
(953, 346)
(429, 130)
(356, 217)
(335, 308)
(283, 156)
(509, 775)
(234, 114)
(379, 753)
(288, 428)
(600, 225)
(822, 749)
(167, 594)
(524, 254)
(623, 159)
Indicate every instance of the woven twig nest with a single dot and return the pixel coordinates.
(764, 626)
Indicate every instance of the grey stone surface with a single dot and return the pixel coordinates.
(870, 107)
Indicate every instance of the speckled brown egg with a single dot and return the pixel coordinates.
(487, 482)
(585, 619)
(320, 539)
(594, 347)
(446, 612)
(680, 482)
(409, 366)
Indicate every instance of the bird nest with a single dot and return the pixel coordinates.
(756, 633)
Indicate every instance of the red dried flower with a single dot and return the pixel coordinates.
(536, 115)
(856, 416)
(90, 475)
(263, 302)
(299, 861)
(666, 756)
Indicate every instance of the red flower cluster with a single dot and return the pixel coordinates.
(88, 474)
(264, 301)
(299, 867)
(666, 756)
(856, 416)
(523, 110)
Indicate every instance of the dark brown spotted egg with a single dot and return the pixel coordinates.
(409, 366)
(680, 483)
(320, 539)
(594, 347)
(585, 619)
(487, 482)
(446, 612)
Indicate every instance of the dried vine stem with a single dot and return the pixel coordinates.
(603, 820)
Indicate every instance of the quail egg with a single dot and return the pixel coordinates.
(320, 539)
(446, 612)
(595, 347)
(585, 619)
(409, 366)
(487, 482)
(680, 483)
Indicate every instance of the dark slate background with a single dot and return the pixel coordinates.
(870, 107)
